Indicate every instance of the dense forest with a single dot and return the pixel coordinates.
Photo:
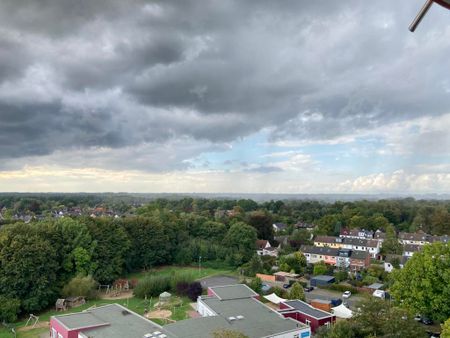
(38, 258)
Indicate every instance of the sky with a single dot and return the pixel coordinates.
(228, 96)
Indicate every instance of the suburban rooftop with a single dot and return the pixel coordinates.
(236, 291)
(246, 315)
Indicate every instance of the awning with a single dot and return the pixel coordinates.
(273, 298)
(341, 311)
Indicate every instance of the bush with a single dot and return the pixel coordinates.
(341, 276)
(152, 286)
(182, 288)
(84, 286)
(339, 287)
(195, 289)
(9, 308)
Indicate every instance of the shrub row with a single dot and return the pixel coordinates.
(154, 285)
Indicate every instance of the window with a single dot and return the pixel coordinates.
(308, 322)
(60, 335)
(54, 333)
(327, 324)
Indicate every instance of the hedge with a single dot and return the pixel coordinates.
(339, 287)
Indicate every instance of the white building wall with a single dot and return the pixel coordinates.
(301, 333)
(204, 310)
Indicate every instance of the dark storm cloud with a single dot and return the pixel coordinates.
(212, 71)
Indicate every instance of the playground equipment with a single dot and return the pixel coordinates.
(32, 317)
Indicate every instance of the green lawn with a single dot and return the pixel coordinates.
(135, 304)
(194, 270)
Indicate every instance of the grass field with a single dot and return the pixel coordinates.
(135, 304)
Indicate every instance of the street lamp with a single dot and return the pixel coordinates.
(424, 10)
(199, 264)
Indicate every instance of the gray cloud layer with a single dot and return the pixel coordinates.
(115, 74)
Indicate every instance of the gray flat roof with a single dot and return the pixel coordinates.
(323, 277)
(308, 309)
(81, 319)
(375, 286)
(258, 320)
(233, 291)
(120, 321)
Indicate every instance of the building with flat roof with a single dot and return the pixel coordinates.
(244, 314)
(307, 314)
(108, 321)
(229, 307)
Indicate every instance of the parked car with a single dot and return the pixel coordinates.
(308, 288)
(346, 294)
(336, 302)
(265, 287)
(286, 286)
(379, 294)
(433, 334)
(426, 321)
(418, 318)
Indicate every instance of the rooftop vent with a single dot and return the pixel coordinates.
(239, 317)
(156, 333)
(147, 335)
(231, 318)
(125, 312)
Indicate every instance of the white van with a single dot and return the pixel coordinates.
(379, 294)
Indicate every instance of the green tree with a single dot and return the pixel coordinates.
(263, 224)
(9, 308)
(423, 285)
(297, 292)
(341, 329)
(391, 244)
(241, 238)
(320, 268)
(28, 266)
(358, 222)
(256, 285)
(112, 245)
(83, 262)
(84, 286)
(295, 261)
(149, 242)
(446, 329)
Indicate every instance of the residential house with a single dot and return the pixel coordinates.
(305, 226)
(410, 249)
(371, 246)
(277, 227)
(418, 238)
(342, 258)
(330, 241)
(389, 262)
(263, 248)
(379, 236)
(315, 254)
(305, 313)
(356, 233)
(359, 260)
